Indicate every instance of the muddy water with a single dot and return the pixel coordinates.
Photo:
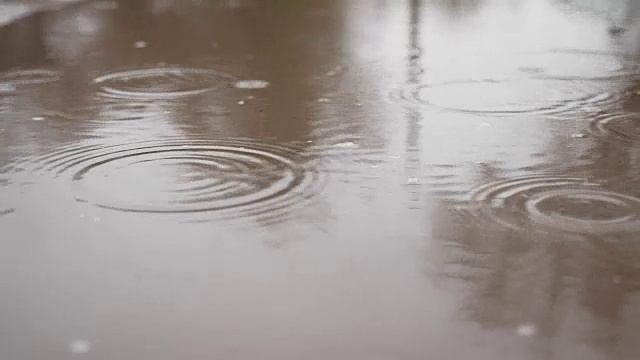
(309, 180)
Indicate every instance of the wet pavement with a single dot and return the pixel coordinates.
(265, 179)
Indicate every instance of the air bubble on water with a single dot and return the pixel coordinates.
(241, 102)
(80, 346)
(37, 118)
(139, 44)
(526, 330)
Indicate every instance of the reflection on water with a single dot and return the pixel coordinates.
(345, 179)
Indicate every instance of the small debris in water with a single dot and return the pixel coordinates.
(37, 118)
(579, 136)
(80, 347)
(241, 102)
(139, 44)
(413, 181)
(324, 100)
(252, 84)
(250, 97)
(526, 330)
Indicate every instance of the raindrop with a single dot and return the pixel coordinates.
(13, 79)
(157, 83)
(622, 127)
(79, 347)
(251, 84)
(503, 97)
(526, 330)
(563, 203)
(578, 65)
(226, 178)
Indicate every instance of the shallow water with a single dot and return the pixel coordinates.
(337, 179)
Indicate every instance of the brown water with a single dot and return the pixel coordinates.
(321, 180)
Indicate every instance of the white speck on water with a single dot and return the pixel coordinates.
(526, 330)
(80, 346)
(140, 44)
(96, 219)
(241, 102)
(358, 104)
(37, 118)
(334, 71)
(484, 125)
(394, 157)
(346, 145)
(324, 100)
(7, 87)
(252, 84)
(250, 97)
(579, 136)
(413, 181)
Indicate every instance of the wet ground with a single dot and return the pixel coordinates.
(265, 179)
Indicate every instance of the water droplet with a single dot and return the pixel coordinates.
(79, 347)
(526, 330)
(251, 84)
(139, 44)
(346, 145)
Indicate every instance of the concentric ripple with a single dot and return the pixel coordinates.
(158, 83)
(579, 65)
(561, 203)
(233, 178)
(14, 79)
(504, 97)
(623, 127)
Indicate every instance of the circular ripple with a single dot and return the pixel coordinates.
(624, 128)
(505, 97)
(17, 78)
(561, 203)
(157, 83)
(234, 178)
(579, 65)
